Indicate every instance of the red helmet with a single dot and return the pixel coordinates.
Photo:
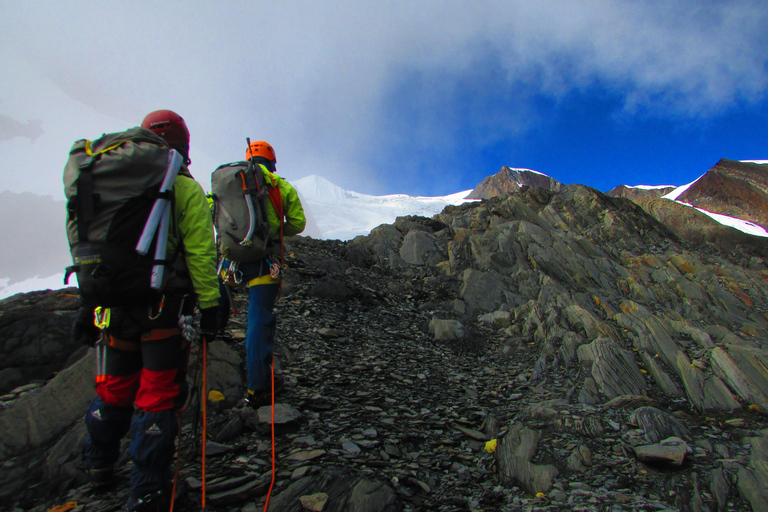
(170, 126)
(260, 148)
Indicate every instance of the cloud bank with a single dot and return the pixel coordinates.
(377, 97)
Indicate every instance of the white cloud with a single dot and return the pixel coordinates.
(315, 78)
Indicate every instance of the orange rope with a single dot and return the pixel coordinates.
(280, 215)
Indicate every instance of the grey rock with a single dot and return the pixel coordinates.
(422, 248)
(283, 414)
(513, 457)
(657, 424)
(444, 330)
(744, 370)
(613, 369)
(580, 459)
(40, 417)
(668, 451)
(331, 288)
(482, 291)
(346, 490)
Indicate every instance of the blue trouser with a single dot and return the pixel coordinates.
(260, 336)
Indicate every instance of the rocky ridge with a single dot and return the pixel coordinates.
(509, 180)
(733, 188)
(537, 351)
(635, 193)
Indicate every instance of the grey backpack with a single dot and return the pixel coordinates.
(112, 185)
(240, 195)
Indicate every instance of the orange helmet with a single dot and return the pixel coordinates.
(262, 149)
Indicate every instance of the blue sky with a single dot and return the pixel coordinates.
(424, 98)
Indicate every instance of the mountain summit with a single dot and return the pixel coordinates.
(510, 179)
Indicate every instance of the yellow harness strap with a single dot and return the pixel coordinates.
(265, 279)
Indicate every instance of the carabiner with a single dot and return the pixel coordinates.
(101, 317)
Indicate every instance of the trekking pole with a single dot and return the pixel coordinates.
(191, 401)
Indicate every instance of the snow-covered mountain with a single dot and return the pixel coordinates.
(342, 215)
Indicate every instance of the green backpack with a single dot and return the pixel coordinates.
(113, 189)
(240, 195)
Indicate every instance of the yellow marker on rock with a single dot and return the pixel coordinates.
(215, 396)
(490, 446)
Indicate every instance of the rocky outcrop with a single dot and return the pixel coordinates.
(509, 180)
(635, 193)
(35, 338)
(699, 228)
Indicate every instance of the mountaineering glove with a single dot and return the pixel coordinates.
(83, 329)
(209, 323)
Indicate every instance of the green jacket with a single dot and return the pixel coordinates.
(193, 233)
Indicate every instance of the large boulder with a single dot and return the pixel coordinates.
(35, 335)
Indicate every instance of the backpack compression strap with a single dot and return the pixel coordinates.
(85, 199)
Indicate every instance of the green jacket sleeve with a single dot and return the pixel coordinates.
(294, 220)
(195, 226)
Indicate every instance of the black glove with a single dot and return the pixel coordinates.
(209, 323)
(83, 329)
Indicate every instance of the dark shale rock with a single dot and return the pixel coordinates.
(345, 491)
(668, 451)
(42, 416)
(331, 288)
(513, 457)
(35, 335)
(422, 248)
(614, 370)
(752, 479)
(657, 424)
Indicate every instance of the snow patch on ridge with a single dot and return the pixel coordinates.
(679, 190)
